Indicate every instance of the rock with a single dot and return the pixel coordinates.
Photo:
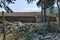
(57, 37)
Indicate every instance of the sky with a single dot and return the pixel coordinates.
(23, 6)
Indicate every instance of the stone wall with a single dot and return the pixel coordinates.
(21, 19)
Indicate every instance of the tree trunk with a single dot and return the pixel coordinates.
(3, 25)
(44, 10)
(45, 20)
(58, 12)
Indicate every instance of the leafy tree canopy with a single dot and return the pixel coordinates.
(47, 3)
(3, 4)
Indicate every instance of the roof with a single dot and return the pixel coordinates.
(21, 14)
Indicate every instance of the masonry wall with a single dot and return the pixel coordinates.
(21, 19)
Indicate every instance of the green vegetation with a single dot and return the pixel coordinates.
(27, 32)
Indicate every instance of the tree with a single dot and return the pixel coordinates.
(58, 10)
(44, 4)
(3, 4)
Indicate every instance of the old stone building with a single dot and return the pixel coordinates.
(22, 16)
(26, 17)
